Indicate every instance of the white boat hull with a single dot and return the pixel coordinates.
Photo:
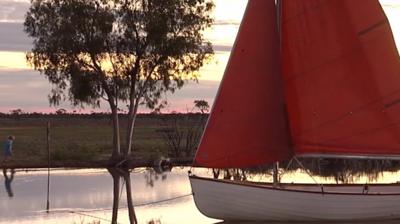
(229, 200)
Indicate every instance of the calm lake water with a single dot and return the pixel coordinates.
(86, 197)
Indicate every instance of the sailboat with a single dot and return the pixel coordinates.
(306, 78)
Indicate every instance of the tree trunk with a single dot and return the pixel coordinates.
(131, 209)
(129, 134)
(116, 180)
(116, 138)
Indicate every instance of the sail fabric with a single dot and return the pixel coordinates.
(341, 72)
(247, 125)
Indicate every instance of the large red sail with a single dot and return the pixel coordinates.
(247, 125)
(342, 77)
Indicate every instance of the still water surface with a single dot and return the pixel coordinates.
(86, 197)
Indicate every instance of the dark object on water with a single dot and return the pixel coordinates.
(162, 165)
(7, 182)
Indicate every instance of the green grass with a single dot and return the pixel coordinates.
(79, 139)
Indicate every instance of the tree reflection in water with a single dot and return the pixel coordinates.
(315, 222)
(153, 175)
(348, 170)
(8, 180)
(341, 170)
(117, 175)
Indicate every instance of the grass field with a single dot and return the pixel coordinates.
(86, 138)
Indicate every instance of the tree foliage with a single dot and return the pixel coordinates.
(118, 50)
(202, 105)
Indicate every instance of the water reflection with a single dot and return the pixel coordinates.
(316, 222)
(101, 196)
(335, 170)
(348, 170)
(8, 180)
(154, 175)
(117, 175)
(87, 196)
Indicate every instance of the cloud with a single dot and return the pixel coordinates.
(182, 100)
(23, 89)
(226, 23)
(14, 38)
(222, 48)
(12, 14)
(13, 10)
(28, 90)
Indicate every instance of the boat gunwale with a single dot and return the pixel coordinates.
(271, 187)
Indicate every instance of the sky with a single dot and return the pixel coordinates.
(23, 88)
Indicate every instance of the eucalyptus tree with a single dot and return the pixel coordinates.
(127, 52)
(202, 105)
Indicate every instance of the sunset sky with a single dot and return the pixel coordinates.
(21, 87)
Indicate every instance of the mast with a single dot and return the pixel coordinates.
(275, 171)
(275, 174)
(279, 21)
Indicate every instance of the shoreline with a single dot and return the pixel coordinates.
(130, 164)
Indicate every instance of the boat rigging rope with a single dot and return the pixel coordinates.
(309, 174)
(289, 163)
(162, 201)
(81, 212)
(92, 216)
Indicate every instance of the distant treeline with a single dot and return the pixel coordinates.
(100, 115)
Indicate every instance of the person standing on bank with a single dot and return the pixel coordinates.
(8, 148)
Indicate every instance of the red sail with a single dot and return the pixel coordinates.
(248, 125)
(341, 75)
